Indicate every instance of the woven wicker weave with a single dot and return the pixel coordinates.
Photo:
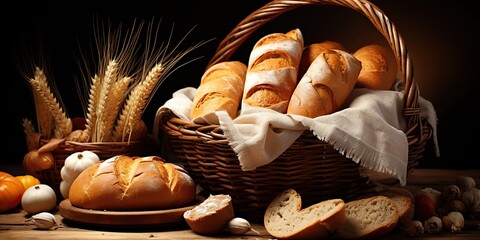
(104, 150)
(313, 167)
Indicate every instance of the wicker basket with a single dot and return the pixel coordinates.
(104, 150)
(313, 167)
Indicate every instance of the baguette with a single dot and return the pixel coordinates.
(326, 85)
(272, 71)
(313, 50)
(379, 67)
(221, 88)
(367, 218)
(285, 218)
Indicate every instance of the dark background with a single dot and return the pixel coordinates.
(441, 36)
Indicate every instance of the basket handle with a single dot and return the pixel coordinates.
(273, 9)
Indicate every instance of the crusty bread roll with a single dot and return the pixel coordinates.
(132, 183)
(272, 71)
(221, 88)
(311, 52)
(326, 84)
(368, 218)
(379, 67)
(285, 218)
(211, 216)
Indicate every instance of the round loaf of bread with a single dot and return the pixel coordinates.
(379, 67)
(211, 216)
(132, 183)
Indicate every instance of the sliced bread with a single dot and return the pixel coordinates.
(405, 206)
(285, 218)
(370, 217)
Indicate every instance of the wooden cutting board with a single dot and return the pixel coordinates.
(124, 218)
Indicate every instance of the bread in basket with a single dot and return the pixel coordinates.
(312, 167)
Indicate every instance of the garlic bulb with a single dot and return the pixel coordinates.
(39, 198)
(471, 199)
(44, 220)
(414, 229)
(433, 225)
(453, 222)
(239, 226)
(465, 183)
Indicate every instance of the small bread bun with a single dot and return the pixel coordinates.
(379, 67)
(211, 216)
(313, 50)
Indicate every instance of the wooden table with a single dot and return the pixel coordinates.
(13, 226)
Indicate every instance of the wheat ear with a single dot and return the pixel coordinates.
(92, 103)
(45, 121)
(28, 127)
(101, 108)
(63, 124)
(114, 100)
(136, 103)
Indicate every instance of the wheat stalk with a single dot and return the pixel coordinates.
(91, 116)
(63, 124)
(28, 127)
(114, 100)
(45, 120)
(102, 107)
(136, 103)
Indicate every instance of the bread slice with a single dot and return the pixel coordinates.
(285, 218)
(405, 204)
(370, 217)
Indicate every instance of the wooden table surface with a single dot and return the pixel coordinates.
(13, 225)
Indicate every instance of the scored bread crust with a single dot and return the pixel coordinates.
(221, 88)
(285, 218)
(272, 71)
(326, 85)
(311, 52)
(370, 217)
(132, 183)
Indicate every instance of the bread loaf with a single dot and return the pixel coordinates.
(285, 218)
(311, 52)
(379, 67)
(370, 217)
(221, 88)
(326, 84)
(132, 183)
(272, 71)
(211, 216)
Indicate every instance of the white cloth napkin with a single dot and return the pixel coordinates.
(369, 130)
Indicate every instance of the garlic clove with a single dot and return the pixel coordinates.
(239, 226)
(44, 220)
(433, 225)
(414, 229)
(453, 222)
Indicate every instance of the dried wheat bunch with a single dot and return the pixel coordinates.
(127, 76)
(52, 120)
(123, 85)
